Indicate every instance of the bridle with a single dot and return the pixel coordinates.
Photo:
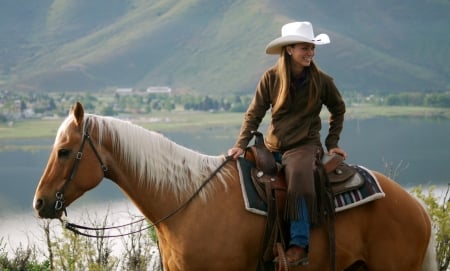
(59, 204)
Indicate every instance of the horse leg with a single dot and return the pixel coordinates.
(347, 236)
(357, 266)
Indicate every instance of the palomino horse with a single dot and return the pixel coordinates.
(214, 231)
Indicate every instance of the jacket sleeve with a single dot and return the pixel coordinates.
(256, 111)
(336, 106)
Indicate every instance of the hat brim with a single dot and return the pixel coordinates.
(274, 47)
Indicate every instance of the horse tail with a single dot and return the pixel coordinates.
(430, 261)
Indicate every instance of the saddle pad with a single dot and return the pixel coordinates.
(369, 191)
(253, 203)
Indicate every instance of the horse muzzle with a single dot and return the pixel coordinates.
(46, 209)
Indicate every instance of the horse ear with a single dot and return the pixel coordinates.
(78, 113)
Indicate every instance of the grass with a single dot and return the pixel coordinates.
(365, 111)
(28, 129)
(189, 120)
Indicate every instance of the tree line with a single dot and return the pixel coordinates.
(415, 99)
(16, 105)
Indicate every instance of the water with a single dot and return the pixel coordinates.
(420, 148)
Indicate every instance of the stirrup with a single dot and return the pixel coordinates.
(302, 261)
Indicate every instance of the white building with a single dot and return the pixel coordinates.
(124, 90)
(158, 89)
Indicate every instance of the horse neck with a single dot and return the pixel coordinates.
(154, 172)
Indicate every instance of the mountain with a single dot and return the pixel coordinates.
(217, 47)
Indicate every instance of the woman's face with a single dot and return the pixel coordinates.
(301, 53)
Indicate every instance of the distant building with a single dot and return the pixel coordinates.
(159, 90)
(149, 90)
(124, 90)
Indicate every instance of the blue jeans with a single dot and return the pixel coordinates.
(299, 229)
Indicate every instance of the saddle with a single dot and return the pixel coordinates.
(270, 184)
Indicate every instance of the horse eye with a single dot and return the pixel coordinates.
(63, 153)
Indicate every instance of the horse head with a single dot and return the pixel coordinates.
(71, 169)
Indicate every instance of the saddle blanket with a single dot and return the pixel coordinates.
(369, 191)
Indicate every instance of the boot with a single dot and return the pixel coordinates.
(296, 255)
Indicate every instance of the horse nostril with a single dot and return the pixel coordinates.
(38, 204)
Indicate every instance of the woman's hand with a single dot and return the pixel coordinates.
(235, 152)
(339, 151)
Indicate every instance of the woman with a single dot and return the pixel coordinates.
(295, 90)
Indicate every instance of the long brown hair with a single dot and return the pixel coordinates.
(283, 81)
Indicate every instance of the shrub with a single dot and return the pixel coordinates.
(439, 212)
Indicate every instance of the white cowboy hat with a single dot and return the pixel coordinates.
(293, 33)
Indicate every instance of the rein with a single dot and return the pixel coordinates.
(59, 204)
(76, 228)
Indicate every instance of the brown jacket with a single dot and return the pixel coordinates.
(292, 125)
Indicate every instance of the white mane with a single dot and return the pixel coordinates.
(154, 159)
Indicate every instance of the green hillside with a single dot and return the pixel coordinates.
(217, 47)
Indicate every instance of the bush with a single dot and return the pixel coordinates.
(23, 259)
(439, 212)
